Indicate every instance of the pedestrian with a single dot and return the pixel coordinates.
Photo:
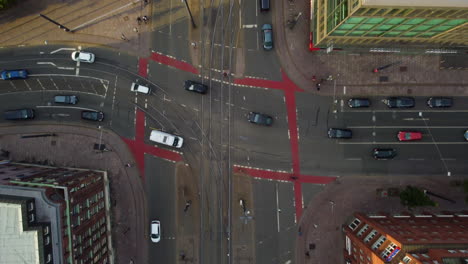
(145, 19)
(307, 254)
(146, 2)
(123, 37)
(135, 29)
(128, 165)
(318, 86)
(139, 20)
(314, 79)
(194, 45)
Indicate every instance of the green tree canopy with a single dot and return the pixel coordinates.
(413, 197)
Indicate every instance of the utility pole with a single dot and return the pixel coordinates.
(190, 13)
(56, 23)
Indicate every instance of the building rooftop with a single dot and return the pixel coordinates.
(16, 245)
(416, 3)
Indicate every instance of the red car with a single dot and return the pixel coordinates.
(408, 136)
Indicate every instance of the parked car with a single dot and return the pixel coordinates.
(399, 102)
(409, 135)
(166, 139)
(358, 102)
(92, 115)
(267, 33)
(339, 133)
(383, 153)
(439, 102)
(260, 119)
(83, 56)
(140, 88)
(155, 231)
(19, 114)
(66, 99)
(466, 135)
(14, 74)
(196, 87)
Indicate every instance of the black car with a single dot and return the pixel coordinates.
(383, 153)
(358, 102)
(439, 102)
(260, 119)
(19, 114)
(339, 133)
(92, 115)
(195, 87)
(399, 102)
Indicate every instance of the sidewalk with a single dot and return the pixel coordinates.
(128, 201)
(415, 75)
(105, 22)
(330, 209)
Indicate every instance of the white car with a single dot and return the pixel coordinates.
(155, 231)
(139, 88)
(83, 56)
(166, 139)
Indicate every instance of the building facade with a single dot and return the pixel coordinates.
(407, 239)
(389, 22)
(72, 203)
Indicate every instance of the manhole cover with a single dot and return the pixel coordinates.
(53, 142)
(383, 78)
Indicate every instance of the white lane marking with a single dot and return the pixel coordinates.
(69, 107)
(77, 73)
(409, 111)
(68, 75)
(47, 62)
(42, 86)
(344, 89)
(386, 127)
(448, 159)
(402, 143)
(278, 210)
(66, 68)
(354, 159)
(55, 51)
(250, 26)
(27, 84)
(415, 159)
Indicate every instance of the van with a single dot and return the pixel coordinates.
(66, 99)
(166, 139)
(264, 5)
(140, 88)
(19, 114)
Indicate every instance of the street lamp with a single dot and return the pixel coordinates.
(190, 13)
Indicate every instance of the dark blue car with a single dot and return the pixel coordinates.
(14, 74)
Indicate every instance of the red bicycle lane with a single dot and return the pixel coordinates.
(288, 87)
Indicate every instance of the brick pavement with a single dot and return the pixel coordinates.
(340, 199)
(128, 201)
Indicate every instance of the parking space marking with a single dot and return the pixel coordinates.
(57, 50)
(42, 86)
(27, 84)
(250, 26)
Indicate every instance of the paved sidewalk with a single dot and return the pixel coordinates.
(329, 210)
(111, 23)
(420, 75)
(128, 201)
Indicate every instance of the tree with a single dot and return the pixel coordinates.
(6, 3)
(413, 197)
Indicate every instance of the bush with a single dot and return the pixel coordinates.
(6, 3)
(413, 197)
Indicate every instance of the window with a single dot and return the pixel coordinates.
(45, 230)
(406, 259)
(363, 230)
(31, 218)
(49, 258)
(378, 243)
(47, 240)
(30, 207)
(370, 236)
(354, 224)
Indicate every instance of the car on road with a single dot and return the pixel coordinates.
(83, 56)
(155, 231)
(92, 115)
(399, 102)
(439, 102)
(19, 114)
(466, 135)
(166, 139)
(358, 102)
(66, 99)
(14, 74)
(267, 34)
(260, 119)
(140, 88)
(340, 133)
(409, 135)
(384, 153)
(196, 87)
